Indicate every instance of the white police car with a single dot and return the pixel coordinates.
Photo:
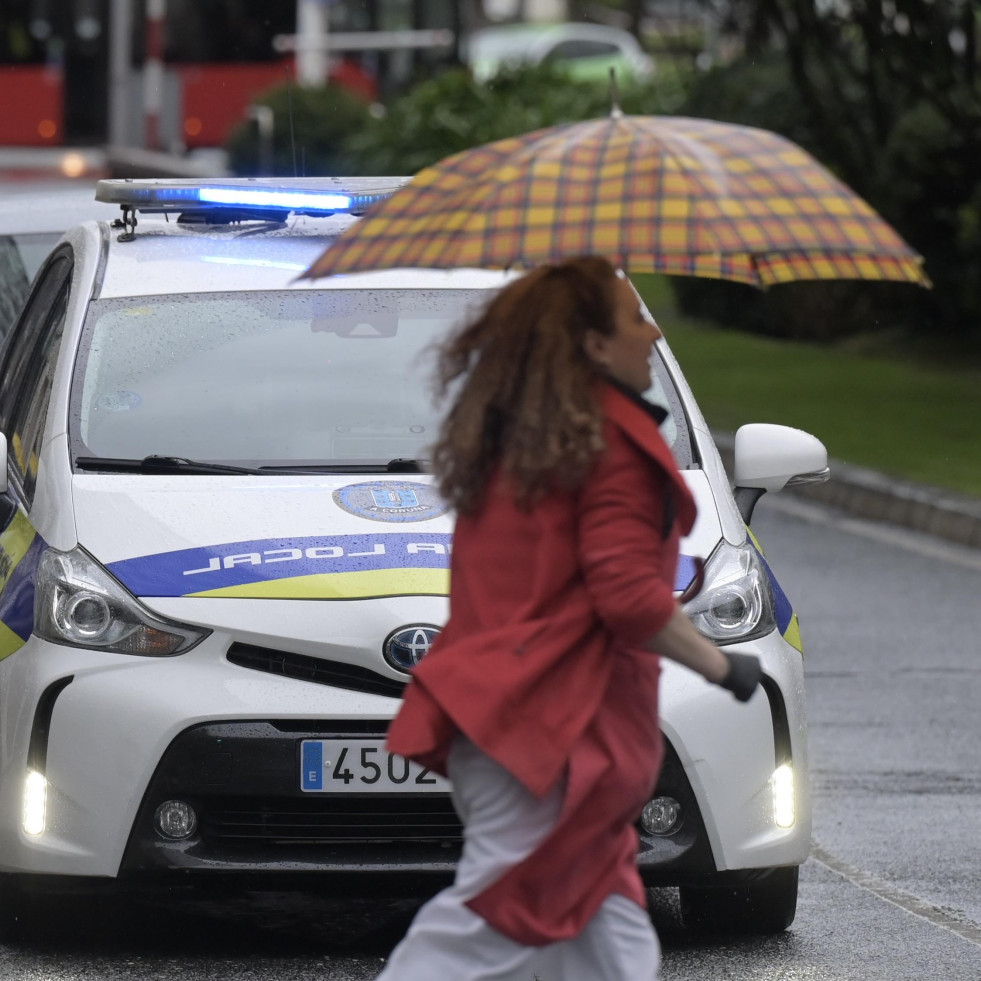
(221, 554)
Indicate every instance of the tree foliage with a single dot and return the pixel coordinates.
(452, 112)
(888, 94)
(309, 129)
(859, 65)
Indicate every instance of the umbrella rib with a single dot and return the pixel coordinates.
(633, 154)
(695, 192)
(707, 157)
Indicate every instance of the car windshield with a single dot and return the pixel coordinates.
(20, 258)
(277, 379)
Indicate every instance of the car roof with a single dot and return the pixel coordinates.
(183, 236)
(167, 257)
(513, 39)
(50, 207)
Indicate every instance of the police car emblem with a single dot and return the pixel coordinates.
(395, 500)
(406, 647)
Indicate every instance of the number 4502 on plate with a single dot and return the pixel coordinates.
(362, 766)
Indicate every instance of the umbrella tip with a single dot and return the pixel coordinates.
(615, 111)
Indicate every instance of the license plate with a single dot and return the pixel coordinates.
(362, 766)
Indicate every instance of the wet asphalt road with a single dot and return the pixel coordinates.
(893, 888)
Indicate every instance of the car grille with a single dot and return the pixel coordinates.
(337, 674)
(332, 820)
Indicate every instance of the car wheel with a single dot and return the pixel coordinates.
(765, 905)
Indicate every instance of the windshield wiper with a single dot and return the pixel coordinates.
(178, 464)
(157, 464)
(398, 465)
(401, 465)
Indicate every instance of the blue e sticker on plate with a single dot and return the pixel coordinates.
(391, 500)
(312, 765)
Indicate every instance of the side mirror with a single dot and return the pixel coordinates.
(3, 464)
(769, 458)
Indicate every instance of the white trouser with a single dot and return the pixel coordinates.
(503, 824)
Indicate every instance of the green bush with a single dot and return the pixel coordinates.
(752, 92)
(452, 112)
(322, 118)
(925, 182)
(929, 185)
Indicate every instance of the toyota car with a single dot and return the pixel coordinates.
(223, 554)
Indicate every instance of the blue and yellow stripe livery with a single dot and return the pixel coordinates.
(336, 568)
(20, 551)
(787, 622)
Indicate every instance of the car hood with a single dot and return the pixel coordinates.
(290, 538)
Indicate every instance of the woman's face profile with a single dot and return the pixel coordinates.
(625, 354)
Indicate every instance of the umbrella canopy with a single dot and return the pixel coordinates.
(691, 197)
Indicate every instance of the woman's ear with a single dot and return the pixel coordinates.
(594, 344)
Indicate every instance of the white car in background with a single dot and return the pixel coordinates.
(221, 555)
(586, 51)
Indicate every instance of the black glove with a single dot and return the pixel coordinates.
(744, 675)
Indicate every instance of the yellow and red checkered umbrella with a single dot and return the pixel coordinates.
(663, 194)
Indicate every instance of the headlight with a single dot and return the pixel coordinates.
(736, 602)
(78, 603)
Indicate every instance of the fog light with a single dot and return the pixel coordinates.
(175, 819)
(35, 803)
(661, 816)
(784, 812)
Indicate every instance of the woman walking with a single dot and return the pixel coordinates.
(539, 700)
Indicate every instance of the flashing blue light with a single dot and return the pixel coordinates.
(285, 200)
(305, 195)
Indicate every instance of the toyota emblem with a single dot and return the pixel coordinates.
(406, 647)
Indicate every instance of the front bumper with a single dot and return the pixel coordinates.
(123, 734)
(241, 778)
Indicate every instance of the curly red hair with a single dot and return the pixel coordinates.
(527, 396)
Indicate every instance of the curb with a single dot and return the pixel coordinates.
(875, 496)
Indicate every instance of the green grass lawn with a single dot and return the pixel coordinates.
(892, 414)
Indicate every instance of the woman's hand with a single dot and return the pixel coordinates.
(744, 675)
(678, 640)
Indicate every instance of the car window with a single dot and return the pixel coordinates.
(19, 347)
(500, 45)
(571, 50)
(273, 378)
(20, 258)
(28, 370)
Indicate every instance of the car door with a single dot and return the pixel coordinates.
(26, 376)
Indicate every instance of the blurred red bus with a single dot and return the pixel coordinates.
(54, 65)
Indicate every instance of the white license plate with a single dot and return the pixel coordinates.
(362, 766)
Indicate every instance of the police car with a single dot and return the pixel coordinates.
(222, 554)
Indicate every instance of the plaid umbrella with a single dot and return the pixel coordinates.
(690, 197)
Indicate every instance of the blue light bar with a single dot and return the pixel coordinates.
(277, 200)
(251, 197)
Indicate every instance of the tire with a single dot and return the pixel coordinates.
(765, 905)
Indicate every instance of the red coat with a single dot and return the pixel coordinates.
(540, 665)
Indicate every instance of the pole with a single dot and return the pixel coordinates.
(265, 122)
(311, 42)
(153, 72)
(120, 41)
